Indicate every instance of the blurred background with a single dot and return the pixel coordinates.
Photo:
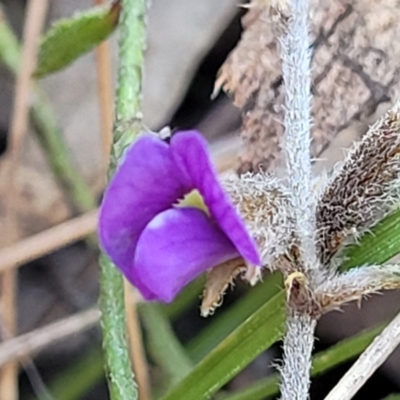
(188, 41)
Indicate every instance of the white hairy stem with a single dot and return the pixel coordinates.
(296, 57)
(297, 348)
(372, 358)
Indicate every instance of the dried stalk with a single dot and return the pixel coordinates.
(26, 345)
(45, 126)
(36, 11)
(138, 357)
(47, 241)
(372, 358)
(105, 93)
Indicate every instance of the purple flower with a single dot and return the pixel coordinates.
(159, 242)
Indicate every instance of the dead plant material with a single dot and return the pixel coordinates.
(48, 241)
(353, 66)
(27, 345)
(35, 16)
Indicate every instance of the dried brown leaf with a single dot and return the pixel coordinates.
(356, 284)
(219, 279)
(354, 72)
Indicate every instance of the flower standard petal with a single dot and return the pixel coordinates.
(190, 154)
(174, 248)
(145, 184)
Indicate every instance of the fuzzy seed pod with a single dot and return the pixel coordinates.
(363, 190)
(356, 284)
(263, 203)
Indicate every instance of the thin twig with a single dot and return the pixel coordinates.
(369, 361)
(47, 241)
(36, 11)
(138, 356)
(105, 92)
(44, 123)
(30, 343)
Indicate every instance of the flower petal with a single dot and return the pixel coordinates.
(177, 246)
(145, 184)
(190, 153)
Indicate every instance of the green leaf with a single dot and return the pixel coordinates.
(10, 53)
(79, 378)
(228, 320)
(166, 348)
(323, 361)
(394, 396)
(190, 294)
(255, 335)
(69, 38)
(378, 246)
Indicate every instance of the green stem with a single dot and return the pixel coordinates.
(127, 125)
(118, 368)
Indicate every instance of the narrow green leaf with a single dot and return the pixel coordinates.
(323, 361)
(255, 335)
(9, 48)
(228, 320)
(378, 246)
(78, 379)
(166, 348)
(394, 396)
(185, 299)
(69, 38)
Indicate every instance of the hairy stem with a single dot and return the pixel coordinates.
(297, 348)
(126, 127)
(295, 54)
(296, 57)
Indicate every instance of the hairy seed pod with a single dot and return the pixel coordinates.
(363, 190)
(263, 203)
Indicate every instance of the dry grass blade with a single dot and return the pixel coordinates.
(138, 357)
(30, 343)
(105, 93)
(375, 355)
(36, 11)
(47, 241)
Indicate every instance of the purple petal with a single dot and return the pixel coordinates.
(190, 153)
(177, 246)
(145, 184)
